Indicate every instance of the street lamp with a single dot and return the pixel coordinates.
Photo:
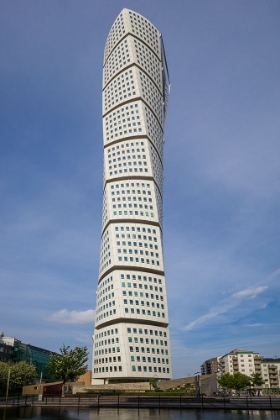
(8, 383)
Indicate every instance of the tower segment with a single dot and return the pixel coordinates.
(131, 338)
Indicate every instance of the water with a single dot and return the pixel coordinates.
(50, 413)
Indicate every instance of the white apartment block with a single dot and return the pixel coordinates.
(271, 372)
(244, 361)
(131, 338)
(248, 362)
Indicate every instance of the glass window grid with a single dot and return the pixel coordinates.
(119, 59)
(128, 160)
(105, 251)
(146, 31)
(138, 23)
(132, 50)
(122, 88)
(140, 241)
(117, 31)
(134, 83)
(151, 342)
(126, 120)
(151, 95)
(115, 126)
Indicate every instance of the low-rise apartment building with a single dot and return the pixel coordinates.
(210, 366)
(270, 370)
(244, 361)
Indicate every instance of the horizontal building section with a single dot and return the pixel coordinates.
(131, 339)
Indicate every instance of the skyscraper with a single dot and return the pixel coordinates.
(131, 338)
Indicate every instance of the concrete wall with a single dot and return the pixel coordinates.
(174, 383)
(36, 389)
(130, 387)
(86, 378)
(208, 384)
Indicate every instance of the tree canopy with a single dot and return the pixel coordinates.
(21, 373)
(256, 379)
(69, 364)
(153, 383)
(235, 381)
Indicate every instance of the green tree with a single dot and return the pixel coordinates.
(236, 381)
(256, 379)
(22, 373)
(153, 383)
(241, 381)
(69, 364)
(226, 381)
(4, 367)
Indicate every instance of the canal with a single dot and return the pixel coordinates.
(62, 413)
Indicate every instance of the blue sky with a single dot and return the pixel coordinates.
(222, 173)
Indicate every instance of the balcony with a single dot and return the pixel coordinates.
(276, 384)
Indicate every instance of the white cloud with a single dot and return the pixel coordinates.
(260, 325)
(211, 314)
(227, 304)
(250, 293)
(73, 317)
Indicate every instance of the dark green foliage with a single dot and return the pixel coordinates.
(256, 379)
(69, 364)
(186, 389)
(21, 373)
(153, 384)
(226, 381)
(236, 381)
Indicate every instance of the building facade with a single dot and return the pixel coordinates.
(131, 339)
(6, 349)
(13, 350)
(210, 366)
(248, 363)
(244, 361)
(270, 370)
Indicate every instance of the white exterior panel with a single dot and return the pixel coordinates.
(131, 337)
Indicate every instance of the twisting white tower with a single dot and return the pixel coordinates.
(131, 337)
